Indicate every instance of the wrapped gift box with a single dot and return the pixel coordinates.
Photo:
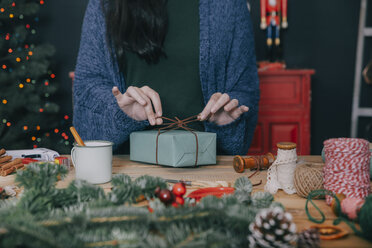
(176, 148)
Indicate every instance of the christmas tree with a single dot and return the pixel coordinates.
(28, 116)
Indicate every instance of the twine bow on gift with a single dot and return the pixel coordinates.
(174, 124)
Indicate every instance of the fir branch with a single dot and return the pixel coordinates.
(82, 215)
(36, 238)
(41, 176)
(209, 238)
(17, 224)
(243, 184)
(126, 191)
(68, 220)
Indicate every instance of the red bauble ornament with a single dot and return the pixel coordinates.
(179, 189)
(165, 196)
(179, 200)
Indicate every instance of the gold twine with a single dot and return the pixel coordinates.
(68, 220)
(308, 177)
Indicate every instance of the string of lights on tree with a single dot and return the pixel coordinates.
(28, 116)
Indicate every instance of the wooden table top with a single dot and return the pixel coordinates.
(223, 171)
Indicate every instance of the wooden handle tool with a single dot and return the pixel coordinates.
(201, 184)
(77, 137)
(206, 184)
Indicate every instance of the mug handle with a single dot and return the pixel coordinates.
(73, 157)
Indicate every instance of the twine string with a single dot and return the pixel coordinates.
(258, 161)
(174, 124)
(308, 177)
(317, 193)
(346, 168)
(323, 192)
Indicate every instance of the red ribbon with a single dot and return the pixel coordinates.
(177, 124)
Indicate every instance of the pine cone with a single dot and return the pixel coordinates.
(308, 238)
(272, 228)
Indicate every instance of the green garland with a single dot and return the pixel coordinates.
(82, 215)
(364, 216)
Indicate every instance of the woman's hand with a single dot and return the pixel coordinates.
(137, 103)
(222, 110)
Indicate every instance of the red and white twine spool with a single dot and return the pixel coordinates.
(346, 168)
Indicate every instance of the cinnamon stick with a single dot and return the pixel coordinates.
(18, 166)
(11, 169)
(5, 159)
(4, 173)
(77, 137)
(2, 152)
(11, 164)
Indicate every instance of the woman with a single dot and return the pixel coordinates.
(143, 59)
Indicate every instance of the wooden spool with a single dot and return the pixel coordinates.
(253, 162)
(286, 145)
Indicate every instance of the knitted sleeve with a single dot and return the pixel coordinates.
(242, 84)
(97, 115)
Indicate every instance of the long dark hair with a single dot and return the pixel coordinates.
(139, 26)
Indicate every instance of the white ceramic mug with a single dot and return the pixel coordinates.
(93, 162)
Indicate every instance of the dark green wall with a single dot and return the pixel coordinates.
(321, 35)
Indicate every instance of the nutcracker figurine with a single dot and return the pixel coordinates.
(273, 15)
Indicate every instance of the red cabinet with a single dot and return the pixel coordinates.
(284, 111)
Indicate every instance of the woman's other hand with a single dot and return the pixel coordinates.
(222, 110)
(138, 104)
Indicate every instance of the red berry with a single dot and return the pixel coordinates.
(150, 209)
(179, 189)
(179, 200)
(175, 205)
(165, 196)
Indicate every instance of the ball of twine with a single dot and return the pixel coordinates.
(308, 177)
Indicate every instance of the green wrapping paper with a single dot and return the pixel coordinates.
(176, 148)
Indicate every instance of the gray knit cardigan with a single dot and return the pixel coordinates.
(227, 64)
